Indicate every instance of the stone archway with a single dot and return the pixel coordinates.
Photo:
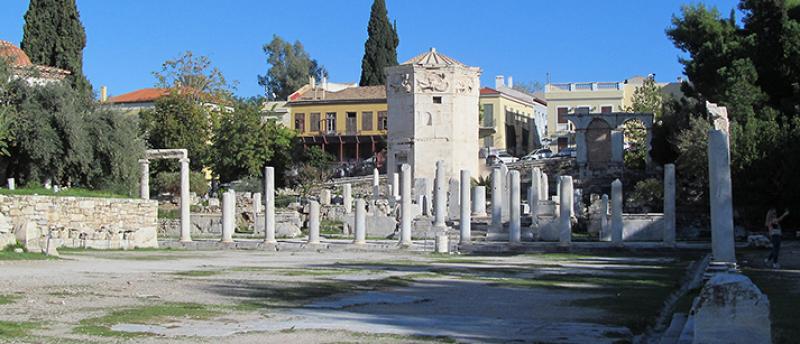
(598, 143)
(144, 186)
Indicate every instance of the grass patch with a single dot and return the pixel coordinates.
(197, 273)
(145, 315)
(781, 289)
(331, 227)
(298, 271)
(71, 192)
(8, 299)
(11, 330)
(9, 254)
(169, 214)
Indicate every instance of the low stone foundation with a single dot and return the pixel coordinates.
(101, 223)
(205, 225)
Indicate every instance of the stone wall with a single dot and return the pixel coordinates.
(83, 221)
(209, 225)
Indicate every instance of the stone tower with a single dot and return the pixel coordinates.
(433, 115)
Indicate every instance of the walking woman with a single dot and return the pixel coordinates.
(773, 224)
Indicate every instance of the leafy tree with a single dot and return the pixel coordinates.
(646, 98)
(380, 49)
(170, 182)
(692, 165)
(314, 171)
(244, 144)
(54, 36)
(197, 76)
(117, 147)
(290, 68)
(6, 108)
(177, 121)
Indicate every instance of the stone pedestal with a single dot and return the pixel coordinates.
(406, 212)
(721, 197)
(465, 220)
(565, 214)
(731, 309)
(228, 215)
(313, 223)
(616, 212)
(269, 205)
(514, 227)
(479, 201)
(144, 181)
(186, 222)
(442, 243)
(669, 204)
(360, 235)
(325, 197)
(347, 198)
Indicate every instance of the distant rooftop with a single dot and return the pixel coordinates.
(359, 93)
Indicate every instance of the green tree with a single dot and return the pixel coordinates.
(177, 121)
(117, 147)
(54, 36)
(380, 49)
(646, 98)
(314, 170)
(197, 76)
(244, 143)
(6, 108)
(290, 68)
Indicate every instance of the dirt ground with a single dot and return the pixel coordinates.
(170, 296)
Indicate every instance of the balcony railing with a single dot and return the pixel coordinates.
(584, 86)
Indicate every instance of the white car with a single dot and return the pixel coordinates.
(500, 157)
(541, 153)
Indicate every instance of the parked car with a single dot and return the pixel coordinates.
(541, 153)
(569, 152)
(502, 157)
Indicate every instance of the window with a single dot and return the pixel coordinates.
(366, 120)
(437, 100)
(383, 120)
(330, 122)
(606, 109)
(562, 111)
(350, 125)
(300, 122)
(315, 122)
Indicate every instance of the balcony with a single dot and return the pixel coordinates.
(584, 87)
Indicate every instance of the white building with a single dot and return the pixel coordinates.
(433, 115)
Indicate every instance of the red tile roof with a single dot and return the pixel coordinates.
(15, 56)
(145, 95)
(487, 90)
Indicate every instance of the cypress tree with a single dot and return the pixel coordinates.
(380, 50)
(54, 36)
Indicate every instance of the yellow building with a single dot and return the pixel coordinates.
(349, 124)
(584, 97)
(519, 120)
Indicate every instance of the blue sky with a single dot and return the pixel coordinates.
(573, 40)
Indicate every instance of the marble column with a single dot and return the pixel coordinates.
(269, 205)
(669, 204)
(506, 193)
(186, 222)
(396, 185)
(406, 213)
(347, 198)
(376, 186)
(256, 206)
(12, 186)
(605, 231)
(534, 193)
(439, 198)
(545, 194)
(616, 212)
(228, 215)
(360, 235)
(313, 222)
(465, 219)
(582, 154)
(565, 214)
(479, 201)
(617, 147)
(144, 181)
(497, 197)
(514, 228)
(453, 199)
(325, 197)
(721, 197)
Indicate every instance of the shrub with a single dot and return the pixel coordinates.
(170, 182)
